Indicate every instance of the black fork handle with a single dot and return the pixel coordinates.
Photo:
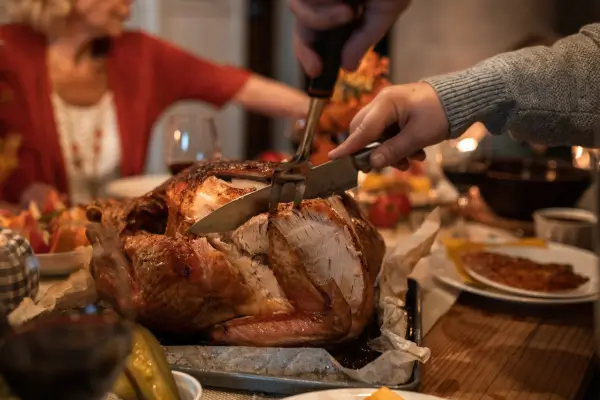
(328, 44)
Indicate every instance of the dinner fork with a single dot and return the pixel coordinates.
(328, 45)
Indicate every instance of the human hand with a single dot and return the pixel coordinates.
(313, 15)
(415, 107)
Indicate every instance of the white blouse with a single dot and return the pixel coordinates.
(78, 125)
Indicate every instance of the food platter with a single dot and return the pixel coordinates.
(357, 394)
(293, 385)
(584, 262)
(55, 233)
(226, 309)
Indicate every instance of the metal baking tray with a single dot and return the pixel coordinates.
(290, 386)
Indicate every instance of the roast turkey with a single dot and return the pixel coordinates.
(292, 278)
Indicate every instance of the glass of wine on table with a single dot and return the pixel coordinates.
(190, 138)
(464, 164)
(76, 354)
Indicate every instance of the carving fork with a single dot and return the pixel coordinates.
(329, 45)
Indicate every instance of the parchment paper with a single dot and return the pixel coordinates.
(393, 367)
(77, 291)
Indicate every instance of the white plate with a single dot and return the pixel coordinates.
(134, 186)
(61, 264)
(584, 263)
(482, 234)
(352, 394)
(443, 269)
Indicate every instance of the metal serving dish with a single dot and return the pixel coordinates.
(289, 385)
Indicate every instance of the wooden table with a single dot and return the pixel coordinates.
(500, 351)
(490, 350)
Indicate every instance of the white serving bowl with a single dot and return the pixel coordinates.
(189, 388)
(61, 264)
(570, 226)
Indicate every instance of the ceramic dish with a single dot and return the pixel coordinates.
(443, 269)
(61, 264)
(134, 186)
(189, 388)
(570, 226)
(584, 263)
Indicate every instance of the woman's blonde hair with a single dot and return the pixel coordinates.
(41, 15)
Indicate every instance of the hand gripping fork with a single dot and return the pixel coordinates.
(328, 44)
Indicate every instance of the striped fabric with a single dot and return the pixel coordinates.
(19, 270)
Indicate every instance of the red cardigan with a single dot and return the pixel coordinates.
(145, 74)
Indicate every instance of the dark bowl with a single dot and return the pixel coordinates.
(514, 189)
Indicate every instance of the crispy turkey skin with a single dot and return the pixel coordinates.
(292, 278)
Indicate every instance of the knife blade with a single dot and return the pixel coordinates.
(332, 177)
(326, 179)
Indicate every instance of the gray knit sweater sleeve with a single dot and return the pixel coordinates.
(541, 94)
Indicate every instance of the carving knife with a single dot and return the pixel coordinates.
(328, 44)
(335, 176)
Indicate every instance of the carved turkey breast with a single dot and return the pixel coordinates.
(292, 278)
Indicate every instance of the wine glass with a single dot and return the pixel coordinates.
(190, 138)
(80, 351)
(463, 162)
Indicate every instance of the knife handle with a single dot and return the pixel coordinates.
(328, 44)
(362, 158)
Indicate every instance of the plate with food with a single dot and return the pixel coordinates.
(415, 182)
(333, 290)
(558, 271)
(447, 275)
(388, 197)
(449, 267)
(56, 234)
(365, 394)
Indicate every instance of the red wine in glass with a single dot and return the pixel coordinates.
(177, 167)
(190, 138)
(69, 358)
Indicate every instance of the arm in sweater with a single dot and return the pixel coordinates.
(539, 94)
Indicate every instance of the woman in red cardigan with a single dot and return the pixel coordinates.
(82, 94)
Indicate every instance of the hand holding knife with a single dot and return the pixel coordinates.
(307, 182)
(329, 45)
(335, 176)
